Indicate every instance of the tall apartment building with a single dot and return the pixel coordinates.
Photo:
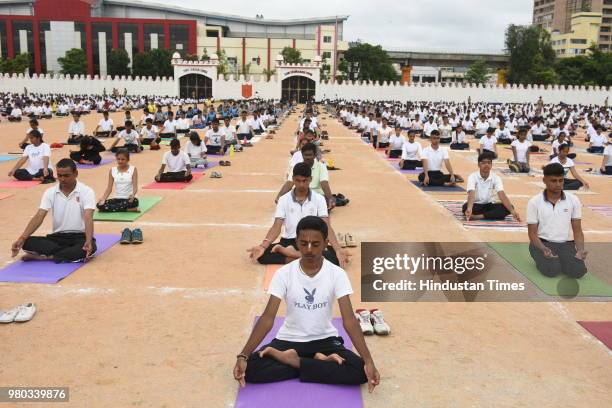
(556, 15)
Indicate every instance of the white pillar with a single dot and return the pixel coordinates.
(23, 41)
(77, 39)
(128, 46)
(154, 41)
(102, 52)
(0, 43)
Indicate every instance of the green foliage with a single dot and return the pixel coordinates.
(224, 66)
(595, 68)
(74, 62)
(291, 55)
(478, 72)
(268, 73)
(18, 65)
(190, 57)
(155, 63)
(532, 57)
(374, 63)
(205, 56)
(118, 62)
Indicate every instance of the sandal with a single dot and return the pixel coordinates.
(216, 174)
(228, 163)
(350, 241)
(222, 163)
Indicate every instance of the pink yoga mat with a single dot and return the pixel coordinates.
(601, 330)
(48, 271)
(19, 184)
(172, 186)
(296, 394)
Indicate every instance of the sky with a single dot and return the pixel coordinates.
(443, 25)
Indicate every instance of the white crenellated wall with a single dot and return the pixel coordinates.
(232, 89)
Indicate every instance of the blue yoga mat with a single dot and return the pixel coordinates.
(438, 189)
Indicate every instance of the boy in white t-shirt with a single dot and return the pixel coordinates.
(196, 150)
(521, 150)
(105, 127)
(37, 154)
(606, 162)
(130, 138)
(308, 345)
(177, 164)
(488, 143)
(433, 157)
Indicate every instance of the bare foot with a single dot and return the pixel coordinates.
(289, 357)
(134, 209)
(34, 257)
(477, 217)
(332, 357)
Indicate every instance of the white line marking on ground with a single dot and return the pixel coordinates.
(258, 174)
(210, 190)
(192, 293)
(191, 225)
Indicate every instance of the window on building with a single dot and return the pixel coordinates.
(212, 33)
(96, 29)
(23, 39)
(327, 39)
(578, 41)
(306, 61)
(43, 26)
(326, 54)
(153, 36)
(128, 38)
(179, 38)
(3, 39)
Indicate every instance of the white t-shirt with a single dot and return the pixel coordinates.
(458, 137)
(105, 125)
(598, 140)
(488, 143)
(503, 133)
(229, 132)
(554, 222)
(36, 155)
(608, 153)
(521, 149)
(435, 158)
(149, 133)
(170, 126)
(214, 138)
(42, 132)
(310, 301)
(384, 133)
(194, 151)
(68, 211)
(429, 127)
(292, 211)
(411, 151)
(569, 163)
(396, 142)
(245, 126)
(296, 158)
(175, 163)
(76, 128)
(485, 190)
(130, 138)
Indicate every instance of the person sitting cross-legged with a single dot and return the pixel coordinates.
(177, 164)
(553, 216)
(308, 346)
(89, 151)
(433, 157)
(124, 179)
(72, 204)
(37, 155)
(290, 209)
(481, 186)
(568, 166)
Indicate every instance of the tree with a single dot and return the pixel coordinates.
(224, 66)
(154, 63)
(478, 72)
(291, 55)
(325, 70)
(595, 68)
(118, 62)
(190, 57)
(268, 73)
(74, 62)
(205, 56)
(18, 65)
(374, 63)
(531, 55)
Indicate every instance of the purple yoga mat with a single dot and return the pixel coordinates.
(93, 166)
(296, 394)
(211, 164)
(418, 170)
(50, 272)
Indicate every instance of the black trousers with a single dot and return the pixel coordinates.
(504, 141)
(74, 140)
(63, 246)
(258, 131)
(178, 176)
(168, 135)
(88, 155)
(24, 175)
(245, 136)
(117, 205)
(215, 149)
(106, 134)
(571, 184)
(14, 119)
(436, 178)
(147, 141)
(374, 140)
(491, 211)
(382, 145)
(394, 154)
(459, 146)
(411, 164)
(132, 148)
(272, 258)
(608, 170)
(565, 263)
(266, 370)
(595, 149)
(445, 140)
(539, 138)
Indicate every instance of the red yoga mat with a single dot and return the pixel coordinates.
(174, 185)
(19, 184)
(601, 330)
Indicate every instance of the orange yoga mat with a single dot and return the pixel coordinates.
(270, 271)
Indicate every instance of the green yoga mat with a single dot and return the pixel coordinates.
(517, 254)
(145, 204)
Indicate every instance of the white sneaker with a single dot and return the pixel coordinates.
(378, 322)
(364, 321)
(8, 316)
(25, 312)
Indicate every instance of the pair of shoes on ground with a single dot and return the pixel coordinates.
(341, 200)
(20, 314)
(225, 163)
(372, 321)
(346, 240)
(131, 237)
(216, 174)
